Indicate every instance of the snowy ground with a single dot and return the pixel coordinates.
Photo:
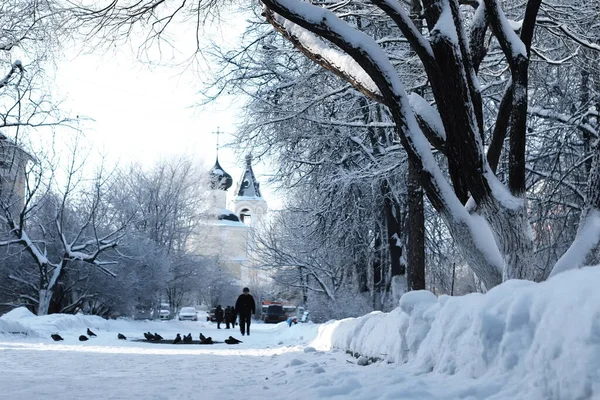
(519, 341)
(259, 368)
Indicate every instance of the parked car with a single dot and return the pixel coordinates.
(188, 314)
(211, 317)
(164, 314)
(275, 313)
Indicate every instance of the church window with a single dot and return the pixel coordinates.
(245, 216)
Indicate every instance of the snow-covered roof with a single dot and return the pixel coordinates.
(224, 216)
(248, 186)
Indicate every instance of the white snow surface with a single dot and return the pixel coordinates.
(521, 340)
(428, 113)
(445, 25)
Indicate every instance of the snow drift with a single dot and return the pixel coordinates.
(543, 339)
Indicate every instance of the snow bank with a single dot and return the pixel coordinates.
(17, 314)
(10, 323)
(8, 327)
(48, 324)
(544, 338)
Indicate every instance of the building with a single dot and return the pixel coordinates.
(227, 232)
(13, 163)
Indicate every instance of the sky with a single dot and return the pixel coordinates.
(137, 112)
(521, 340)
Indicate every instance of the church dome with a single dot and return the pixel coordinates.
(219, 179)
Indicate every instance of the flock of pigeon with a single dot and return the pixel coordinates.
(187, 339)
(82, 338)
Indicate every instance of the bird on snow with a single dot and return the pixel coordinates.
(90, 333)
(232, 340)
(83, 338)
(56, 337)
(202, 337)
(187, 338)
(157, 337)
(148, 336)
(121, 336)
(177, 339)
(206, 340)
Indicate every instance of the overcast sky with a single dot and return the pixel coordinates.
(142, 113)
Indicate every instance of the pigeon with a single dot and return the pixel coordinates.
(206, 340)
(234, 340)
(90, 333)
(56, 337)
(202, 337)
(187, 338)
(83, 338)
(157, 337)
(121, 336)
(177, 339)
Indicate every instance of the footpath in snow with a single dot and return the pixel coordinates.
(521, 340)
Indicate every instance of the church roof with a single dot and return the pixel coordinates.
(219, 179)
(223, 216)
(248, 186)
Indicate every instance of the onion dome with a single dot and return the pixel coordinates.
(219, 179)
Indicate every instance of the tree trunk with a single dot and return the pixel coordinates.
(416, 231)
(44, 301)
(393, 225)
(513, 237)
(377, 271)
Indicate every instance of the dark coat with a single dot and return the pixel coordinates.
(245, 305)
(219, 314)
(229, 314)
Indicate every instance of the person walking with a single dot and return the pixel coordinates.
(228, 316)
(219, 316)
(245, 307)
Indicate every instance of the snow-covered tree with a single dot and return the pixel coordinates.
(476, 176)
(31, 35)
(62, 224)
(493, 229)
(168, 199)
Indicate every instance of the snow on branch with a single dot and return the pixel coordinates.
(444, 27)
(429, 120)
(23, 281)
(548, 60)
(329, 58)
(418, 43)
(586, 240)
(511, 44)
(564, 118)
(16, 66)
(552, 25)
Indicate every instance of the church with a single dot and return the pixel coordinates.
(228, 229)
